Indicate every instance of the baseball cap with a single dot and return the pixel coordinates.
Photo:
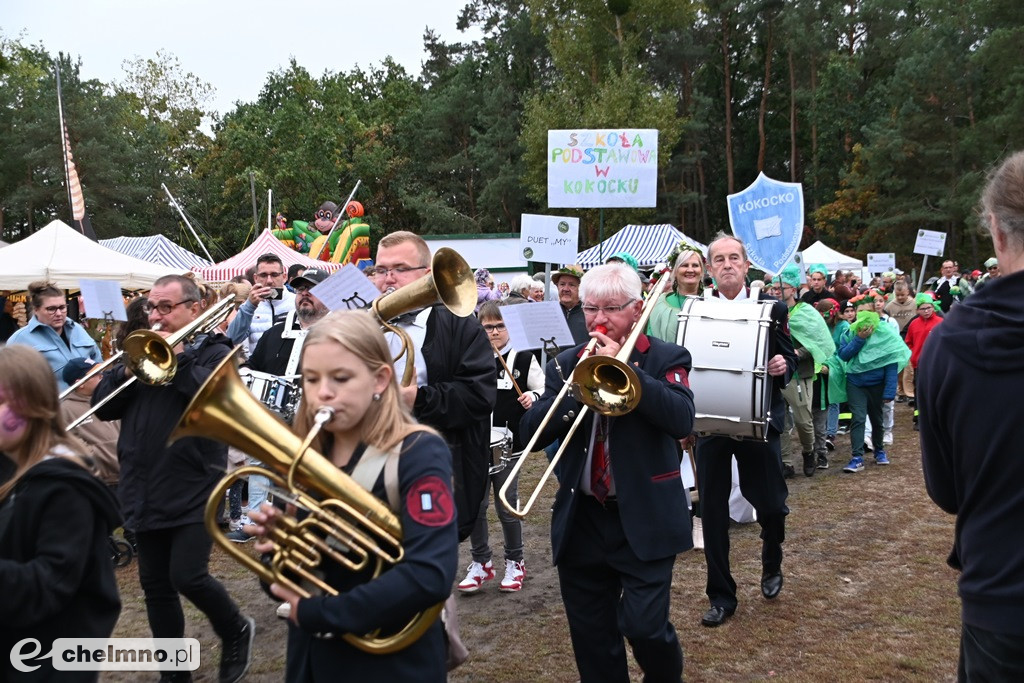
(312, 277)
(76, 369)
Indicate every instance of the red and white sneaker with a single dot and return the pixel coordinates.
(475, 577)
(515, 573)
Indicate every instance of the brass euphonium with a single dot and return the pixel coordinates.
(345, 523)
(449, 282)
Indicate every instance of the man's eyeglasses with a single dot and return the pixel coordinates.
(271, 275)
(53, 309)
(993, 267)
(325, 215)
(608, 310)
(164, 307)
(497, 327)
(399, 270)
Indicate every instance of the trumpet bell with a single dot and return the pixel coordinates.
(606, 385)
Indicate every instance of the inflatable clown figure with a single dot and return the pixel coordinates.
(349, 243)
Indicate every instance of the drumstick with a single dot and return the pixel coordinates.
(509, 373)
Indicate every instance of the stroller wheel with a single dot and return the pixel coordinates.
(121, 552)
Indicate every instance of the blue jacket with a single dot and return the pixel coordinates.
(45, 339)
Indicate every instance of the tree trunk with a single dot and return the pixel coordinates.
(792, 118)
(762, 112)
(726, 75)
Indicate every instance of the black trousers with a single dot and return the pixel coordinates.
(987, 656)
(176, 561)
(762, 483)
(609, 593)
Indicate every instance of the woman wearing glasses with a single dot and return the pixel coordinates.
(52, 334)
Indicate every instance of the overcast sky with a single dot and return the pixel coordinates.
(233, 45)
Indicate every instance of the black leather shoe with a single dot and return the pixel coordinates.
(716, 616)
(787, 471)
(771, 584)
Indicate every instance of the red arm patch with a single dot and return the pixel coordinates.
(678, 376)
(429, 502)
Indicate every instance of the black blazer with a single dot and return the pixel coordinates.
(642, 446)
(458, 400)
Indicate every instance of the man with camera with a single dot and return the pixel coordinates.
(267, 304)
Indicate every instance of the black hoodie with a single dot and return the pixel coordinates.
(970, 379)
(56, 571)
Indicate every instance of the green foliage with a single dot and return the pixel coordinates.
(889, 112)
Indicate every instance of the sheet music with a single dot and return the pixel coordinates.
(346, 289)
(529, 324)
(102, 297)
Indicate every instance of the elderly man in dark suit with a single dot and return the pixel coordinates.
(759, 463)
(620, 515)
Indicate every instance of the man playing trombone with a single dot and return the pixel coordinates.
(620, 513)
(164, 489)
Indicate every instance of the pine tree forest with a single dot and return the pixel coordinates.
(889, 112)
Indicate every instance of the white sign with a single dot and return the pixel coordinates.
(607, 168)
(549, 239)
(102, 298)
(879, 263)
(346, 289)
(529, 325)
(930, 243)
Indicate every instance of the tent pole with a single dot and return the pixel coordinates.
(181, 213)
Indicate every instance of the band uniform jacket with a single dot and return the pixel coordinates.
(458, 400)
(164, 486)
(643, 450)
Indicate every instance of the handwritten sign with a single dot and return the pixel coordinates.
(605, 168)
(549, 239)
(930, 243)
(881, 262)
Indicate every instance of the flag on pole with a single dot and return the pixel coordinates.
(79, 221)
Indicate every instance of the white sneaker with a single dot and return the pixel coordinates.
(515, 573)
(284, 610)
(698, 533)
(234, 525)
(475, 576)
(887, 438)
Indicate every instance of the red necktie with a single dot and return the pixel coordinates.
(600, 472)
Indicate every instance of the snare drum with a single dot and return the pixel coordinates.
(276, 393)
(501, 448)
(728, 342)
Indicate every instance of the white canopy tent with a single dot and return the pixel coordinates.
(830, 258)
(63, 256)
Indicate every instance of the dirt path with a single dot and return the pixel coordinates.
(868, 595)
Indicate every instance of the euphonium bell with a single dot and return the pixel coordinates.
(345, 523)
(450, 282)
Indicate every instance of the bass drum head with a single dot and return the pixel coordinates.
(728, 342)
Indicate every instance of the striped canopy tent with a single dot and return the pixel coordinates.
(156, 249)
(648, 244)
(266, 242)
